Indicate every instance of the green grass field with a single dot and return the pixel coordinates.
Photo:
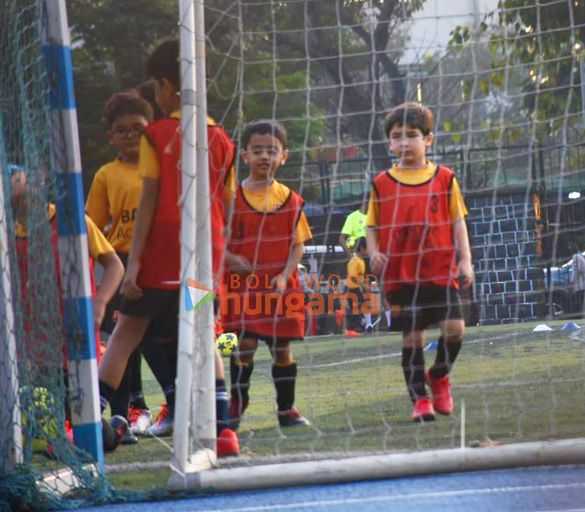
(517, 386)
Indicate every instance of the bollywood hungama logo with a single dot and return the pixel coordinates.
(196, 295)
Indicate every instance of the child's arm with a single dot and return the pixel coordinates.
(113, 274)
(378, 260)
(462, 246)
(144, 216)
(237, 263)
(294, 258)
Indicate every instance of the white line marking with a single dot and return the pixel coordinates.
(436, 494)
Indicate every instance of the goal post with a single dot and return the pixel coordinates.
(194, 433)
(73, 246)
(330, 72)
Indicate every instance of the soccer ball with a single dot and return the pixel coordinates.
(227, 343)
(38, 407)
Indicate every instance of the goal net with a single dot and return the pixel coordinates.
(505, 82)
(50, 441)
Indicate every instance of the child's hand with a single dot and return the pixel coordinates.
(466, 271)
(279, 283)
(378, 261)
(240, 265)
(129, 289)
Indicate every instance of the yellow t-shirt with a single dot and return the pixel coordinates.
(114, 196)
(354, 227)
(97, 243)
(457, 207)
(270, 199)
(150, 168)
(356, 270)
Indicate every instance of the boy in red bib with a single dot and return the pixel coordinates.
(152, 281)
(418, 244)
(263, 297)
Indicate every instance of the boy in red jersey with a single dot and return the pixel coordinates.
(418, 243)
(151, 283)
(268, 232)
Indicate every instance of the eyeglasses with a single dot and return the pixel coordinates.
(134, 131)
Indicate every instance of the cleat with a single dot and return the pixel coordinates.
(423, 410)
(235, 413)
(113, 432)
(370, 329)
(140, 420)
(442, 397)
(351, 334)
(164, 423)
(228, 443)
(292, 418)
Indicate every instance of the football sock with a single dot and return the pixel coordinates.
(240, 374)
(120, 401)
(446, 355)
(222, 405)
(413, 366)
(136, 392)
(284, 381)
(107, 393)
(159, 356)
(368, 320)
(170, 397)
(388, 317)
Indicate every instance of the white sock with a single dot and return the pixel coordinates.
(368, 320)
(388, 318)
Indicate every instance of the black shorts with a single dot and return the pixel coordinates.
(415, 308)
(160, 306)
(264, 337)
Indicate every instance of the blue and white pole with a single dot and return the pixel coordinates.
(73, 247)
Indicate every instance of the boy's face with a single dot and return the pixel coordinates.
(125, 135)
(165, 95)
(264, 154)
(409, 144)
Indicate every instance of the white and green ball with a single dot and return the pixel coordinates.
(227, 343)
(39, 407)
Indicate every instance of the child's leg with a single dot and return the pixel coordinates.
(136, 392)
(413, 363)
(284, 374)
(448, 347)
(119, 404)
(241, 368)
(156, 354)
(222, 403)
(124, 340)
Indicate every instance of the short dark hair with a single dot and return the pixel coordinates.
(146, 91)
(411, 114)
(163, 62)
(126, 104)
(360, 244)
(262, 127)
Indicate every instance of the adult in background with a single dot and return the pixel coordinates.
(353, 228)
(578, 277)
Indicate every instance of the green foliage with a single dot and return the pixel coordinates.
(322, 83)
(536, 49)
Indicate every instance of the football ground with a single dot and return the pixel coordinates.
(514, 385)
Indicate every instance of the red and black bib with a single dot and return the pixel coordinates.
(264, 239)
(415, 231)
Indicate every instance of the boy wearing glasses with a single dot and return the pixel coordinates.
(112, 204)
